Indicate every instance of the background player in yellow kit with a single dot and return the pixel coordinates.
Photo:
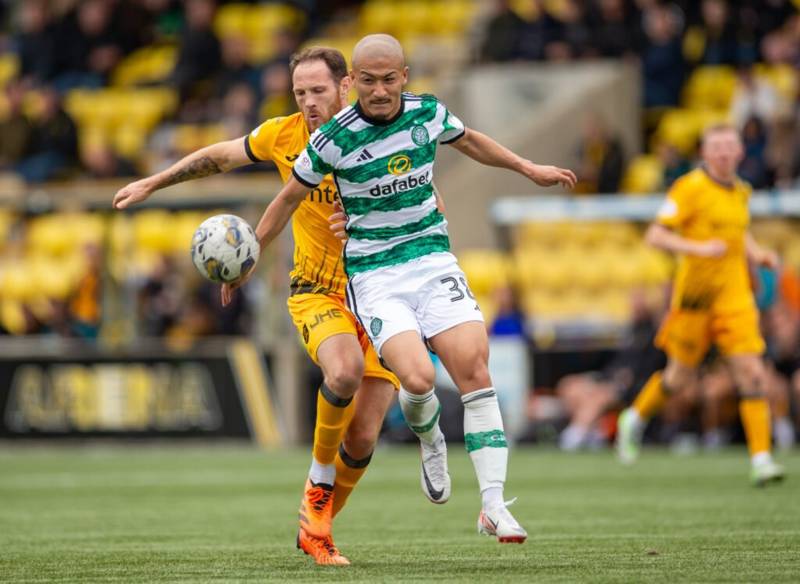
(329, 331)
(705, 219)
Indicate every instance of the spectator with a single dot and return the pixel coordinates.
(276, 86)
(615, 33)
(755, 97)
(16, 130)
(87, 48)
(503, 35)
(160, 299)
(601, 158)
(509, 319)
(199, 53)
(587, 396)
(239, 112)
(34, 43)
(713, 41)
(570, 37)
(663, 66)
(235, 66)
(754, 167)
(55, 142)
(674, 163)
(100, 161)
(85, 306)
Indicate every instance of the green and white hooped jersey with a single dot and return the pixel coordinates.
(383, 171)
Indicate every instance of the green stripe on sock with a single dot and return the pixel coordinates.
(429, 426)
(491, 439)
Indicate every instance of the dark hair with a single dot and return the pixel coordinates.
(331, 57)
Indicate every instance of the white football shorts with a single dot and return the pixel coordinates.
(428, 295)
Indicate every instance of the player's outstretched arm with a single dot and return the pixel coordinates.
(272, 222)
(214, 159)
(760, 255)
(485, 150)
(664, 238)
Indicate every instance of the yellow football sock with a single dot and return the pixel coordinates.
(754, 412)
(652, 397)
(333, 416)
(348, 472)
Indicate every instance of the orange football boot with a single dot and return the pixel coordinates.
(316, 509)
(322, 549)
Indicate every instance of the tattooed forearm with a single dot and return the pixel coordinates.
(199, 168)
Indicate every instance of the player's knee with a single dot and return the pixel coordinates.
(677, 377)
(476, 374)
(420, 380)
(752, 382)
(344, 378)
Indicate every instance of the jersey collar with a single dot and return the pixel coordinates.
(375, 122)
(726, 185)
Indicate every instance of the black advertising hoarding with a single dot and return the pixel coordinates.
(215, 391)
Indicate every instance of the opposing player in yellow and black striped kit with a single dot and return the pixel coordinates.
(346, 428)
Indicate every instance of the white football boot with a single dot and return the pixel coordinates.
(629, 436)
(434, 478)
(499, 522)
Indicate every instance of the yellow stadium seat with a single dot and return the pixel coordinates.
(710, 87)
(9, 67)
(12, 316)
(129, 141)
(784, 78)
(231, 20)
(152, 231)
(682, 128)
(645, 174)
(146, 65)
(379, 16)
(486, 270)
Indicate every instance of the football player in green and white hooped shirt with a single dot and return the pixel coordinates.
(404, 285)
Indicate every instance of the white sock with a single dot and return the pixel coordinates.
(783, 432)
(322, 473)
(422, 414)
(492, 498)
(760, 458)
(572, 437)
(485, 439)
(639, 423)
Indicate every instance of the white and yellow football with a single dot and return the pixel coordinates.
(224, 248)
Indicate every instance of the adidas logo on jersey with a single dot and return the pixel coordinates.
(364, 156)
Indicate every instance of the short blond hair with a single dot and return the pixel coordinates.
(718, 128)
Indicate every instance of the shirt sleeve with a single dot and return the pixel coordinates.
(452, 127)
(314, 162)
(677, 208)
(260, 143)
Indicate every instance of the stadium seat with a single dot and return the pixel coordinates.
(784, 78)
(9, 66)
(486, 270)
(146, 65)
(710, 87)
(645, 174)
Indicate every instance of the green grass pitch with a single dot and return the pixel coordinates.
(228, 514)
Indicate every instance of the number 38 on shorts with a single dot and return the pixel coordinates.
(428, 296)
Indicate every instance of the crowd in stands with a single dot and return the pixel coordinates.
(700, 62)
(55, 54)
